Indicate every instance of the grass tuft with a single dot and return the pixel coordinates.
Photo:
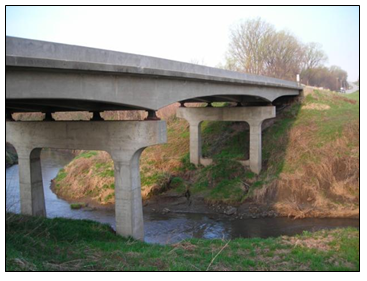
(40, 244)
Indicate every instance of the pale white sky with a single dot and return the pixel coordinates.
(186, 33)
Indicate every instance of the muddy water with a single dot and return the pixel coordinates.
(168, 228)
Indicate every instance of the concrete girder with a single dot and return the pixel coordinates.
(73, 77)
(115, 90)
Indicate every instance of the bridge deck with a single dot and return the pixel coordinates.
(45, 76)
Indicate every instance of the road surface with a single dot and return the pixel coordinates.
(353, 89)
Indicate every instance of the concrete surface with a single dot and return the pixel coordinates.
(123, 140)
(253, 115)
(50, 77)
(30, 182)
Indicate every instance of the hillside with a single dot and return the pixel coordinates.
(310, 163)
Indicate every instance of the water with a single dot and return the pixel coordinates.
(168, 228)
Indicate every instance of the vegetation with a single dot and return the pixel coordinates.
(313, 144)
(77, 206)
(11, 157)
(257, 47)
(38, 244)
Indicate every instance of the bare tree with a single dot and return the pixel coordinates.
(256, 47)
(313, 57)
(248, 46)
(284, 56)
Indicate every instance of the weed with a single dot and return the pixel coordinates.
(77, 206)
(40, 244)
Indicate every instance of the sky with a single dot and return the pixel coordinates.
(189, 34)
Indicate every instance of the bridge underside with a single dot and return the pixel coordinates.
(65, 105)
(123, 140)
(48, 77)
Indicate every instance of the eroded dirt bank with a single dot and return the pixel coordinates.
(310, 166)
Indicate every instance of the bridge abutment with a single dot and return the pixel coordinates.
(124, 140)
(253, 115)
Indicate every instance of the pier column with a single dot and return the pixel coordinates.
(195, 142)
(128, 201)
(32, 199)
(253, 115)
(124, 140)
(255, 146)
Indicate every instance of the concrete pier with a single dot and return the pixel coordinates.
(253, 115)
(50, 77)
(30, 182)
(124, 140)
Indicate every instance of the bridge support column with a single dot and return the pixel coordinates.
(32, 199)
(124, 140)
(253, 115)
(255, 159)
(195, 142)
(128, 201)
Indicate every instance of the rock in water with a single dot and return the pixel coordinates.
(230, 211)
(165, 211)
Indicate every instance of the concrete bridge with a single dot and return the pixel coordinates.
(48, 77)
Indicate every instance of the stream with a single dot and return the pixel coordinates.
(168, 228)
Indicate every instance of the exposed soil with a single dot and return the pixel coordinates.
(88, 201)
(171, 202)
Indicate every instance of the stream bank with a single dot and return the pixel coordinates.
(167, 227)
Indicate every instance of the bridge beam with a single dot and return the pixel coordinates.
(253, 115)
(124, 140)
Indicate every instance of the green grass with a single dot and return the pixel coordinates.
(10, 159)
(86, 154)
(178, 184)
(107, 173)
(38, 244)
(77, 206)
(186, 165)
(225, 142)
(225, 179)
(330, 123)
(11, 156)
(354, 96)
(155, 178)
(228, 191)
(61, 175)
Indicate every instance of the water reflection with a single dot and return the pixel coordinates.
(168, 228)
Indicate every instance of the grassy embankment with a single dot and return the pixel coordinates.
(71, 245)
(11, 157)
(310, 162)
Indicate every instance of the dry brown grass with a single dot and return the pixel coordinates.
(316, 106)
(83, 179)
(318, 180)
(323, 180)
